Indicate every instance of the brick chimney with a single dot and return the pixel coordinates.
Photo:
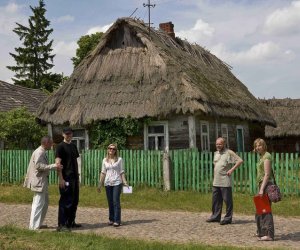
(168, 27)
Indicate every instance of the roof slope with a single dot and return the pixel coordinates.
(128, 74)
(286, 113)
(15, 96)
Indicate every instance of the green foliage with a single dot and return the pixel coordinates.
(19, 130)
(116, 131)
(86, 44)
(34, 59)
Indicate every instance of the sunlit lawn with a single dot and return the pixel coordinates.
(153, 199)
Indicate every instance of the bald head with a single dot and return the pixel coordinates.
(220, 143)
(46, 142)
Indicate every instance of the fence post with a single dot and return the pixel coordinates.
(166, 171)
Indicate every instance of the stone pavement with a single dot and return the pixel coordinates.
(166, 226)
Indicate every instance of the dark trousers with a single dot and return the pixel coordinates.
(68, 202)
(265, 222)
(219, 195)
(265, 225)
(113, 198)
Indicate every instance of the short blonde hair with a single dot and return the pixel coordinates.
(260, 142)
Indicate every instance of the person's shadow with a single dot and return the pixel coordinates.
(132, 222)
(243, 221)
(103, 225)
(290, 236)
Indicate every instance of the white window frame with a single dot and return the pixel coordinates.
(225, 136)
(202, 134)
(240, 127)
(165, 134)
(76, 141)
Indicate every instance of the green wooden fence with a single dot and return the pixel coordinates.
(193, 170)
(190, 169)
(142, 167)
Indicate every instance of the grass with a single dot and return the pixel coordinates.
(153, 199)
(21, 239)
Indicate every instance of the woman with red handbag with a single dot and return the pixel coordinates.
(265, 223)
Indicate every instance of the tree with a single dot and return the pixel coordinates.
(34, 59)
(19, 130)
(86, 44)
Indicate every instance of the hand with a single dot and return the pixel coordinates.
(99, 188)
(125, 184)
(229, 172)
(59, 166)
(260, 193)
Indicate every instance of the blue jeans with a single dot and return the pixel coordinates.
(113, 198)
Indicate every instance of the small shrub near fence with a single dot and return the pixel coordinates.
(190, 169)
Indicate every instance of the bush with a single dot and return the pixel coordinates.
(19, 129)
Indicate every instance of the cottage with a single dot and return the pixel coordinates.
(190, 94)
(286, 136)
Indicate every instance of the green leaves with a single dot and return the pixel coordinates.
(19, 130)
(86, 44)
(115, 131)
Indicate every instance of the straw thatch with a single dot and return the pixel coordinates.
(129, 74)
(15, 96)
(286, 113)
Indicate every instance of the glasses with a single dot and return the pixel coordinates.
(112, 148)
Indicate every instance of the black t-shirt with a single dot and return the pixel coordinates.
(68, 154)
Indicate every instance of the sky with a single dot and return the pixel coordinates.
(259, 39)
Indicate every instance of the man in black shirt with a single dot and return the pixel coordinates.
(66, 155)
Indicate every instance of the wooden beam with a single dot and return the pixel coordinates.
(192, 131)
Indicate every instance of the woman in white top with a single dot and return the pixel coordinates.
(113, 176)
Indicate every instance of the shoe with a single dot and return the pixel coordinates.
(110, 223)
(74, 225)
(212, 220)
(265, 238)
(225, 222)
(63, 229)
(115, 224)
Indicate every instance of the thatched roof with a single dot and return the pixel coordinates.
(15, 96)
(286, 113)
(129, 74)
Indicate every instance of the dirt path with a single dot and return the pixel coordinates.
(165, 226)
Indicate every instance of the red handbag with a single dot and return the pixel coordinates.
(262, 204)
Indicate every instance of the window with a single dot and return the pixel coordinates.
(79, 142)
(204, 132)
(79, 139)
(240, 138)
(224, 133)
(156, 136)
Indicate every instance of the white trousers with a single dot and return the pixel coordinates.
(39, 209)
